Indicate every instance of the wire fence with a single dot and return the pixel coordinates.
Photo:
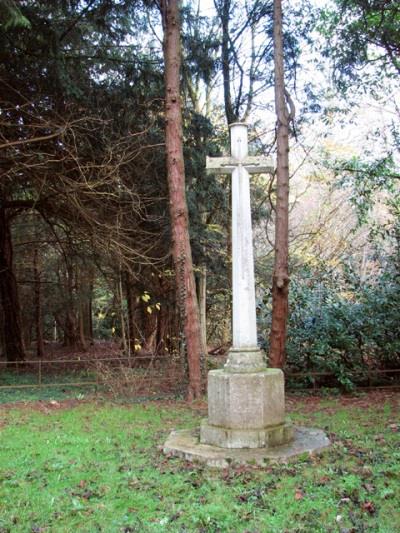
(370, 378)
(147, 373)
(133, 375)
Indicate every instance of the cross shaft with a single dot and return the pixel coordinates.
(245, 354)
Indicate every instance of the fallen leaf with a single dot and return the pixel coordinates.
(369, 488)
(298, 495)
(369, 507)
(175, 516)
(88, 494)
(380, 438)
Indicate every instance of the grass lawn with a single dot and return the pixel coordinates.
(15, 394)
(96, 466)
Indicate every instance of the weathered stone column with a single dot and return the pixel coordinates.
(245, 354)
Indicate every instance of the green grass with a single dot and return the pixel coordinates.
(53, 392)
(98, 467)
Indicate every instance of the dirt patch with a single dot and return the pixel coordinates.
(374, 397)
(310, 403)
(306, 403)
(44, 406)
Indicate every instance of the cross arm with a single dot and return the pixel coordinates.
(226, 165)
(220, 165)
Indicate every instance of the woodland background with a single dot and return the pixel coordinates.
(85, 231)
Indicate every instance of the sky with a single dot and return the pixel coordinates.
(349, 133)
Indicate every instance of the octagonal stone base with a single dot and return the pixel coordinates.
(246, 410)
(185, 444)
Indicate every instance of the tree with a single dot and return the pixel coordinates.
(63, 118)
(361, 33)
(181, 249)
(12, 335)
(280, 280)
(243, 67)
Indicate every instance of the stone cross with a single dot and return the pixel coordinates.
(246, 400)
(245, 355)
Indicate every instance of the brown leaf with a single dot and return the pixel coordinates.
(369, 507)
(369, 488)
(88, 494)
(298, 494)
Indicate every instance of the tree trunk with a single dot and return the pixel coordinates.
(181, 250)
(124, 339)
(163, 324)
(133, 331)
(71, 334)
(150, 332)
(203, 306)
(55, 333)
(87, 297)
(38, 305)
(82, 337)
(13, 343)
(280, 282)
(73, 329)
(224, 14)
(84, 288)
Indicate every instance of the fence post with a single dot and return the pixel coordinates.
(40, 374)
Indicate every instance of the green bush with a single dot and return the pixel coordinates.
(339, 325)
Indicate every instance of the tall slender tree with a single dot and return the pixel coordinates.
(280, 282)
(38, 303)
(181, 250)
(13, 343)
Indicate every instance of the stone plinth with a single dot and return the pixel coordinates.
(185, 444)
(246, 410)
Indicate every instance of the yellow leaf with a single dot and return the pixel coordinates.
(146, 297)
(216, 228)
(137, 347)
(149, 309)
(158, 306)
